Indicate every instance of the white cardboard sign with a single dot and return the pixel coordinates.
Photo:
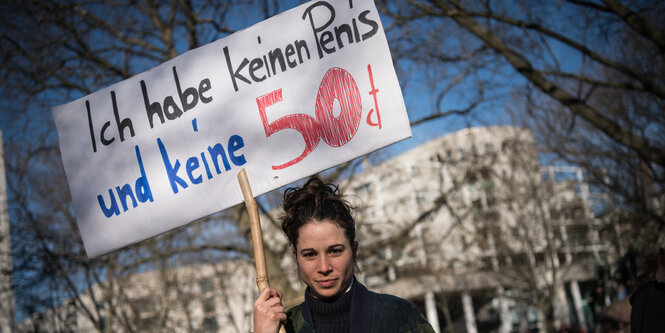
(288, 97)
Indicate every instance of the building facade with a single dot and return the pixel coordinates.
(197, 298)
(470, 225)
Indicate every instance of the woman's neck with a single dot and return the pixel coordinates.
(331, 315)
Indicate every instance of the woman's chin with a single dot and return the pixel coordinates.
(326, 294)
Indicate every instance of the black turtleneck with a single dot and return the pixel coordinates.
(330, 316)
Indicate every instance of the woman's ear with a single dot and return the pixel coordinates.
(354, 248)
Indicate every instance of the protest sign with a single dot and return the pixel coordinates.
(290, 96)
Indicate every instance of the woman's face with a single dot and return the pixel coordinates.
(325, 258)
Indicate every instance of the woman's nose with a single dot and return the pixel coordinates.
(324, 265)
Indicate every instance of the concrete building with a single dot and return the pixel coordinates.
(469, 227)
(198, 298)
(470, 224)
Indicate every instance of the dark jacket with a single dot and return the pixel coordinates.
(370, 312)
(648, 308)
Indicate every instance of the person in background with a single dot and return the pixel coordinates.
(648, 301)
(320, 227)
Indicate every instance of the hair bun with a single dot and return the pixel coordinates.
(315, 189)
(315, 201)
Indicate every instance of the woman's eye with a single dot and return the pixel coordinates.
(309, 254)
(336, 251)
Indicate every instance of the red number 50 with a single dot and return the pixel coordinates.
(337, 84)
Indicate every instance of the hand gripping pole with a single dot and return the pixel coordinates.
(262, 279)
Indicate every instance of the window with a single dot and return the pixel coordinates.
(71, 320)
(205, 285)
(103, 322)
(148, 323)
(483, 239)
(208, 305)
(474, 151)
(472, 176)
(485, 173)
(555, 214)
(210, 324)
(421, 197)
(147, 304)
(489, 148)
(490, 215)
(577, 235)
(477, 205)
(462, 154)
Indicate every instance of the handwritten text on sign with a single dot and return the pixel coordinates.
(293, 95)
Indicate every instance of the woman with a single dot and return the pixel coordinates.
(321, 230)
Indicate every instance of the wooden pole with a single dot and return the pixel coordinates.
(262, 279)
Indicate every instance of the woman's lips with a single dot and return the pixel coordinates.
(326, 283)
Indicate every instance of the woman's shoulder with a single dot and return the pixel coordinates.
(294, 319)
(393, 302)
(396, 312)
(294, 308)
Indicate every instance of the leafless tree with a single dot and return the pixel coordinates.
(584, 75)
(53, 52)
(587, 73)
(472, 212)
(545, 44)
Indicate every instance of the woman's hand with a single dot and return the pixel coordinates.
(268, 311)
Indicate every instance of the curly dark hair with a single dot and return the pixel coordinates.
(316, 201)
